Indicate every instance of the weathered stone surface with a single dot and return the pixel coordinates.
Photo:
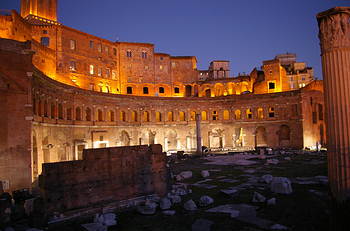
(149, 208)
(205, 173)
(169, 212)
(257, 197)
(267, 178)
(281, 185)
(165, 203)
(184, 175)
(190, 205)
(271, 201)
(205, 201)
(175, 199)
(272, 161)
(278, 227)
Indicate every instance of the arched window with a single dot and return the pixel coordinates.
(45, 109)
(193, 115)
(182, 116)
(122, 116)
(170, 116)
(133, 116)
(249, 113)
(238, 114)
(271, 112)
(226, 115)
(78, 113)
(204, 115)
(53, 111)
(88, 114)
(60, 111)
(99, 115)
(260, 113)
(215, 115)
(158, 116)
(111, 115)
(69, 113)
(146, 116)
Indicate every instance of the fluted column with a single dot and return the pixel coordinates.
(334, 37)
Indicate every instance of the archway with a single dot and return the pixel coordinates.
(208, 93)
(188, 91)
(260, 137)
(284, 135)
(124, 139)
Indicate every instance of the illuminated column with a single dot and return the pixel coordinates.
(198, 134)
(334, 35)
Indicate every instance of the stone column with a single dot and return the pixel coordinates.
(198, 134)
(334, 37)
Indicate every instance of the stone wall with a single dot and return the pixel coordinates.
(104, 175)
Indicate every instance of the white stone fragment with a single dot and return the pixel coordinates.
(257, 197)
(169, 212)
(190, 205)
(267, 178)
(281, 185)
(271, 201)
(165, 203)
(205, 173)
(205, 201)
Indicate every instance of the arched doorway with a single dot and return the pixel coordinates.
(260, 137)
(284, 136)
(208, 93)
(124, 139)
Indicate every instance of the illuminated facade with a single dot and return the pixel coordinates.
(63, 90)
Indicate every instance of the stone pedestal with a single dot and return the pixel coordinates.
(334, 37)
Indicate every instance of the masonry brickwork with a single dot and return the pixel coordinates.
(104, 175)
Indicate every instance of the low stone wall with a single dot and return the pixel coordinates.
(104, 175)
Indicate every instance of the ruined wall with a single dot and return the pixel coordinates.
(16, 115)
(104, 175)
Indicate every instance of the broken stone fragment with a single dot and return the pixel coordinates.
(205, 173)
(174, 198)
(272, 161)
(205, 201)
(165, 203)
(190, 205)
(169, 212)
(148, 209)
(281, 185)
(184, 175)
(266, 178)
(257, 197)
(271, 201)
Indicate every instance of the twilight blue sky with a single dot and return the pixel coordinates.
(246, 32)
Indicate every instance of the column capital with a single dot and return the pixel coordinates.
(334, 27)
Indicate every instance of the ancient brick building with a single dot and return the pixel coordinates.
(63, 90)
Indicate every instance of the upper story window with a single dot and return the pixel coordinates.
(144, 54)
(161, 67)
(45, 41)
(72, 44)
(72, 66)
(114, 51)
(145, 90)
(173, 65)
(129, 90)
(272, 85)
(128, 53)
(91, 69)
(99, 47)
(114, 74)
(161, 58)
(45, 32)
(161, 90)
(176, 90)
(91, 44)
(215, 115)
(271, 112)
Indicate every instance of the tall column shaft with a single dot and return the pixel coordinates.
(198, 134)
(334, 36)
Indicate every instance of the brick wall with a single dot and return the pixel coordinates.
(104, 175)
